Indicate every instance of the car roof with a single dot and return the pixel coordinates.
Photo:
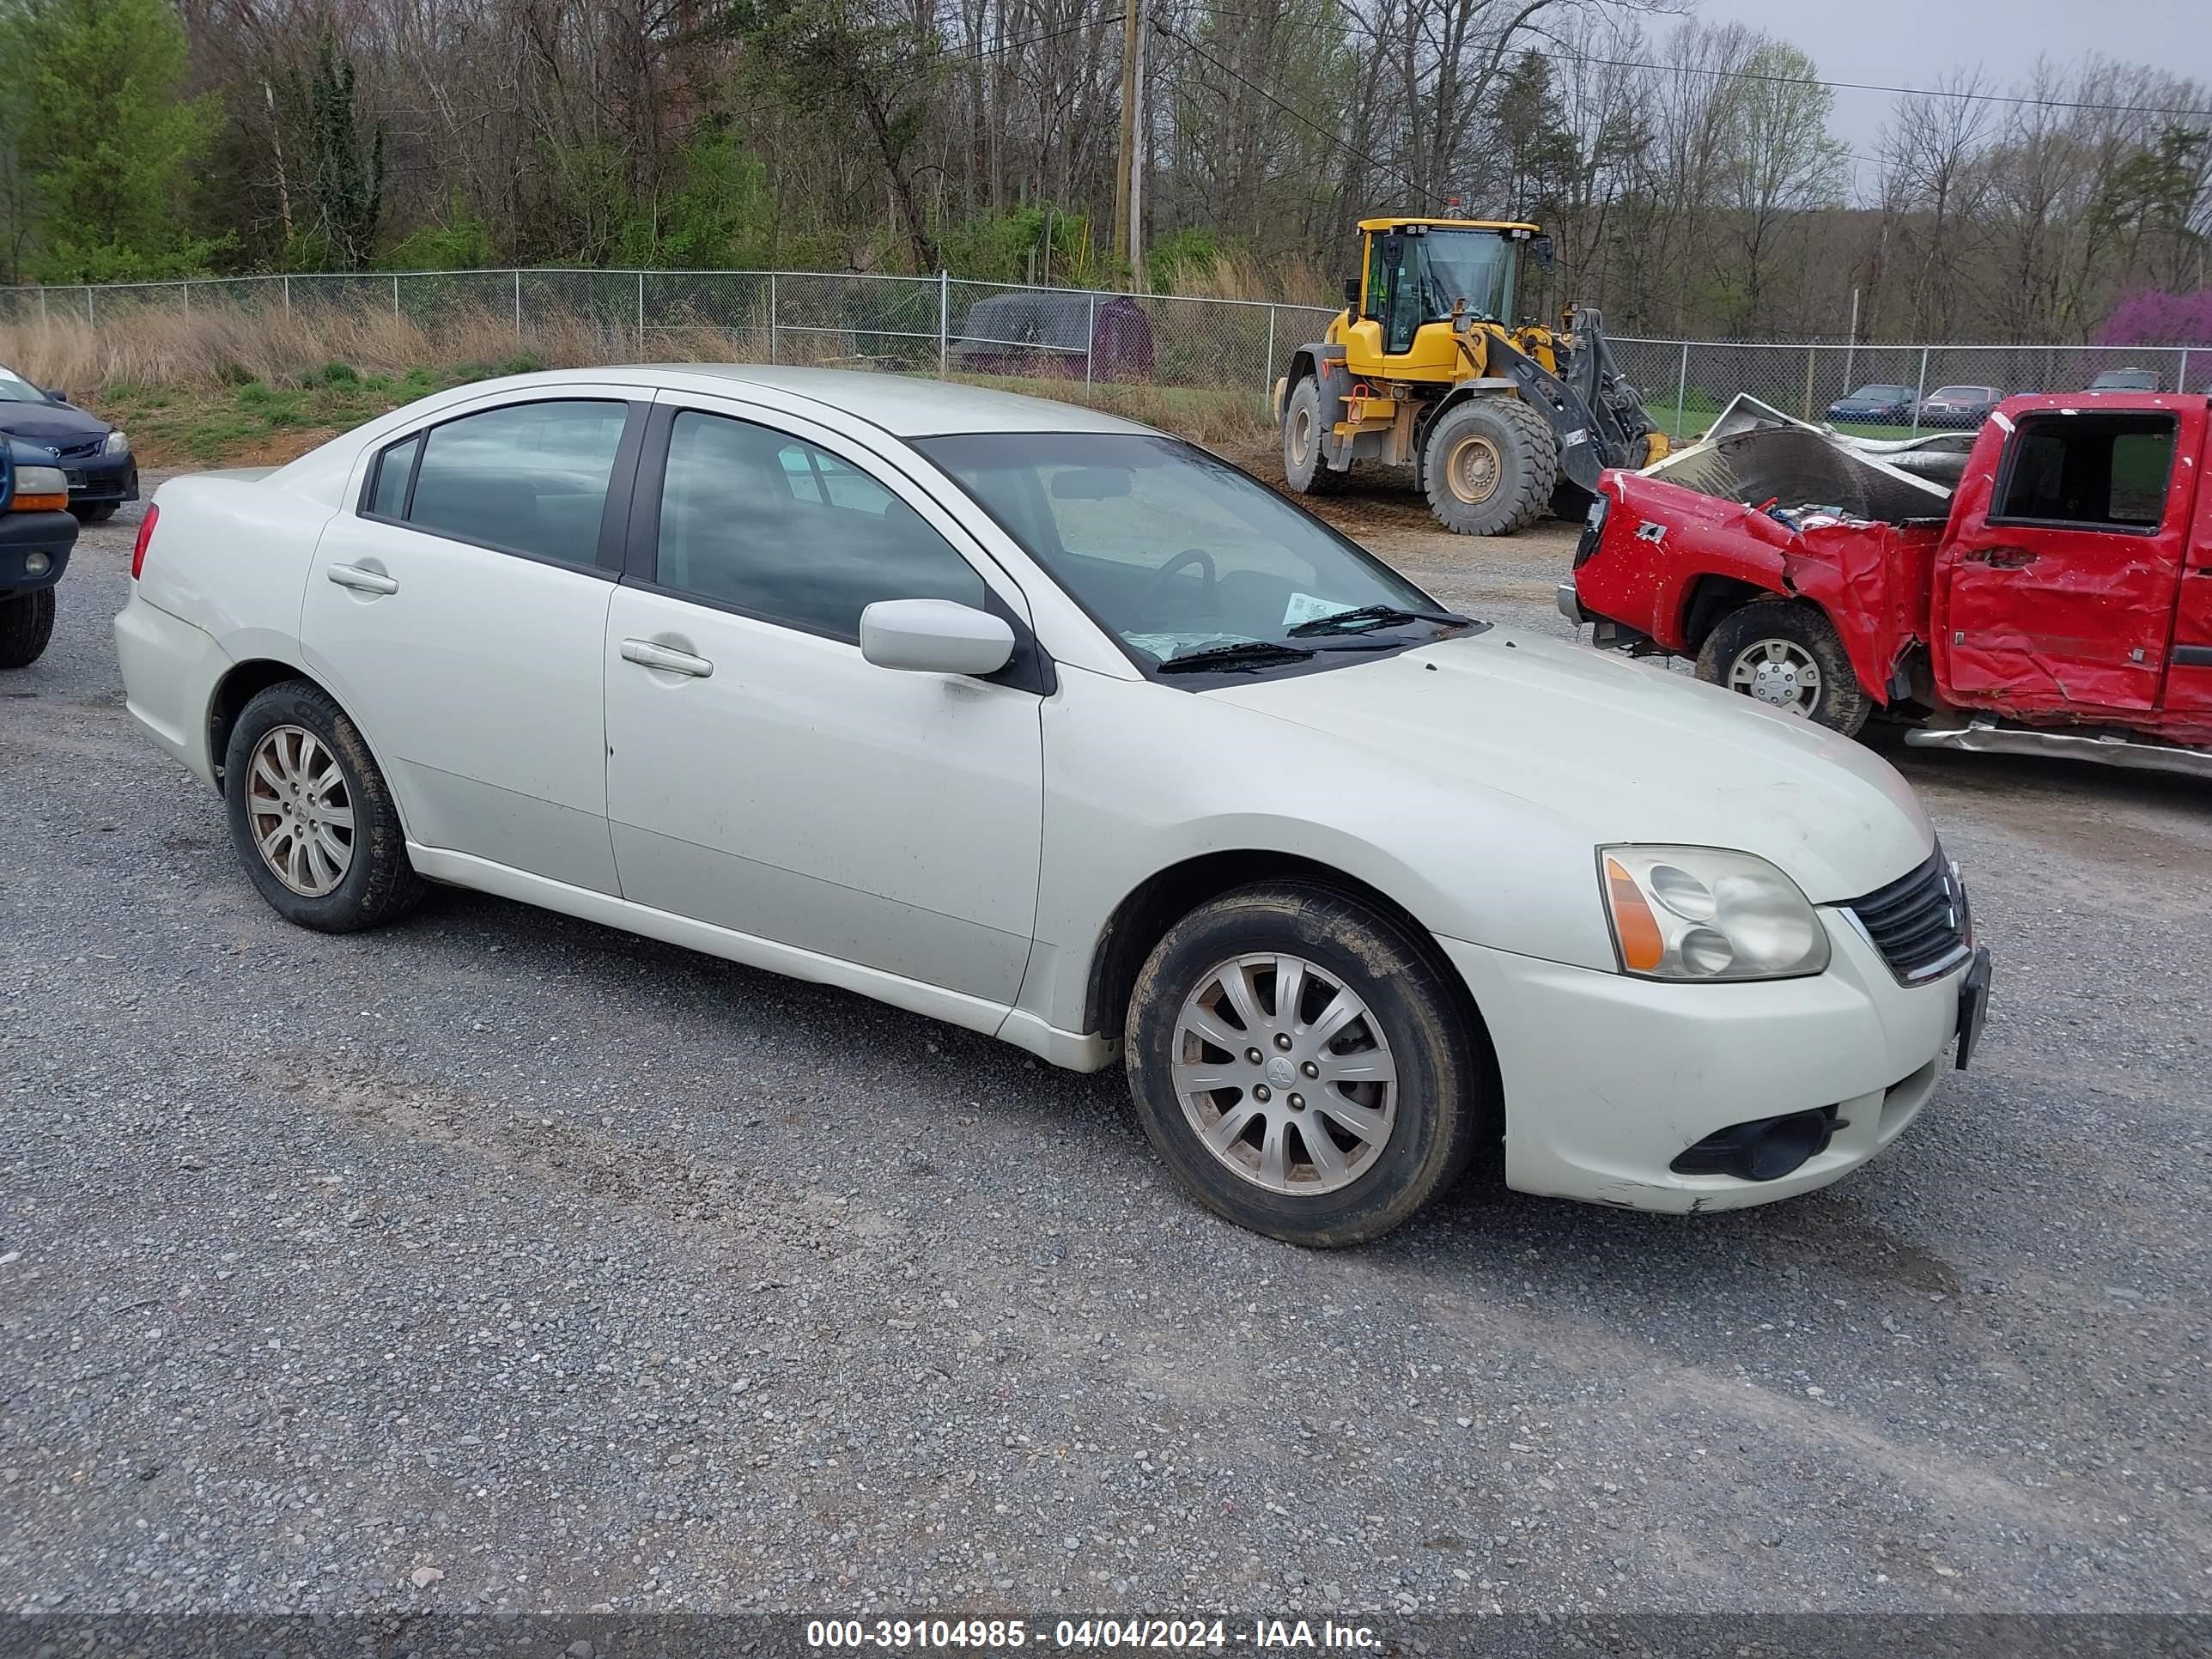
(906, 405)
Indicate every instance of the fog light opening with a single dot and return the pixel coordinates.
(1764, 1149)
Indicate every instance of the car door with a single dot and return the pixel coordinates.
(2060, 594)
(458, 613)
(760, 775)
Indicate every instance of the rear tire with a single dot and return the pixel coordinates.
(27, 623)
(1305, 461)
(1369, 1114)
(1787, 654)
(296, 772)
(1490, 465)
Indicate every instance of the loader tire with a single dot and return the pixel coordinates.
(1490, 465)
(1305, 459)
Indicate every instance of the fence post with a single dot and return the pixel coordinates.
(1090, 337)
(42, 302)
(1267, 368)
(771, 316)
(944, 321)
(1811, 351)
(287, 290)
(517, 304)
(188, 295)
(88, 318)
(2181, 376)
(1682, 389)
(395, 297)
(1920, 391)
(641, 313)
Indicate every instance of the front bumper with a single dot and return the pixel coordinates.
(1609, 1079)
(100, 479)
(29, 538)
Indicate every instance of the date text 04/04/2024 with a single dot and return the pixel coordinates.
(1263, 1634)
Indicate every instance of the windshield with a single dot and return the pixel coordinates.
(15, 389)
(1176, 553)
(1475, 265)
(1965, 394)
(1881, 394)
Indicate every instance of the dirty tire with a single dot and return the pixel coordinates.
(1442, 1108)
(27, 623)
(380, 885)
(1305, 469)
(1797, 629)
(1490, 465)
(96, 512)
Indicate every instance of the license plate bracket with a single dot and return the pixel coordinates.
(1973, 1005)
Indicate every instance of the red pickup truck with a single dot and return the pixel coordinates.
(2059, 602)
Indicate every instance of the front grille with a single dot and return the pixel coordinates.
(1919, 922)
(78, 451)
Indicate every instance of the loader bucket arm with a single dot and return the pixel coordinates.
(1594, 412)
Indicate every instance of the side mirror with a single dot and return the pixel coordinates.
(934, 636)
(1351, 292)
(58, 397)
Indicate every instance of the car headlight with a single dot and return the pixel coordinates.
(1704, 913)
(119, 443)
(39, 490)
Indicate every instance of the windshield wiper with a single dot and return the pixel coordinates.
(1235, 656)
(1368, 617)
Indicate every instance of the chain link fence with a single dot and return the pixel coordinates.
(937, 324)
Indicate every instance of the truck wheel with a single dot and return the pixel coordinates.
(312, 817)
(1490, 463)
(1786, 654)
(1302, 1067)
(27, 623)
(1305, 462)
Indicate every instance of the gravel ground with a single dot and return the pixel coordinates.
(500, 1261)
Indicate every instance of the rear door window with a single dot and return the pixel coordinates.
(529, 478)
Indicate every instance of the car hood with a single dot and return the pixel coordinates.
(1620, 750)
(49, 424)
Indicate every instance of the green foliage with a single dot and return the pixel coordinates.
(461, 242)
(1011, 246)
(1194, 248)
(110, 144)
(342, 169)
(718, 215)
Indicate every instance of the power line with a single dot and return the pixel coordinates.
(1363, 26)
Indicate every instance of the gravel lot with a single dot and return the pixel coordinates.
(502, 1261)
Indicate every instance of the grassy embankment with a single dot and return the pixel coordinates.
(208, 387)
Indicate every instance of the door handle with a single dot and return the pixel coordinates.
(360, 580)
(646, 654)
(2000, 558)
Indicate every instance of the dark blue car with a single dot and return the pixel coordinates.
(94, 456)
(1875, 405)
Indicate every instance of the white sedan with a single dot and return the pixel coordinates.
(1037, 722)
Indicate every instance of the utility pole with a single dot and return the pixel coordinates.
(1129, 174)
(1128, 131)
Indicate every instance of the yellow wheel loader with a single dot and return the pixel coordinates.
(1424, 368)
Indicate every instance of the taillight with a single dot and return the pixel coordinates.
(145, 535)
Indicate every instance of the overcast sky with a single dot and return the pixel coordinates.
(1911, 43)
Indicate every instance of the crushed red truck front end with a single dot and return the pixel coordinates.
(1659, 564)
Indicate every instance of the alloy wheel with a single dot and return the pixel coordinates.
(300, 811)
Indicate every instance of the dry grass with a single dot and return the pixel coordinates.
(215, 384)
(1292, 279)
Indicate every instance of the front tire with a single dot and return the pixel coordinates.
(312, 817)
(1301, 1066)
(27, 623)
(1305, 451)
(95, 512)
(1490, 465)
(1787, 654)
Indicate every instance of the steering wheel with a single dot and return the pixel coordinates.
(1157, 585)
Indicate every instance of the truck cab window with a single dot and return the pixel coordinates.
(2101, 471)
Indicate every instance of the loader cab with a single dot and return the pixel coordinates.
(1414, 273)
